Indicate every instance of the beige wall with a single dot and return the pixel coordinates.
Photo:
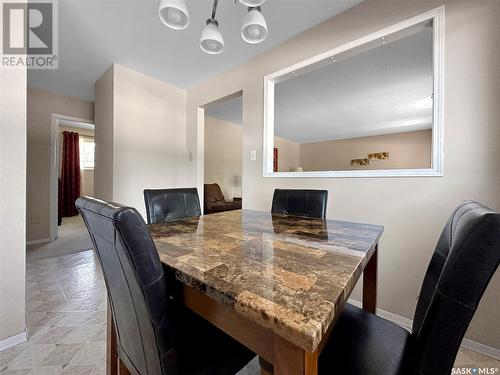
(288, 154)
(103, 120)
(12, 202)
(87, 183)
(223, 146)
(406, 150)
(146, 132)
(223, 155)
(41, 105)
(413, 210)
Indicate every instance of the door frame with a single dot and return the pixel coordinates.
(54, 167)
(200, 143)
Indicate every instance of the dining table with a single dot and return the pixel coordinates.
(275, 283)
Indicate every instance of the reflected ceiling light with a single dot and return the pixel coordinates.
(254, 28)
(425, 103)
(252, 3)
(174, 14)
(211, 40)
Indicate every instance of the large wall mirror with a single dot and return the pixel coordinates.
(369, 108)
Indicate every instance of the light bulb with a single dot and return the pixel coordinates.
(253, 32)
(174, 15)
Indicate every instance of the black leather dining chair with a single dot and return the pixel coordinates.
(465, 259)
(164, 205)
(155, 333)
(309, 203)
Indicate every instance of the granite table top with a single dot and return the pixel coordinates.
(289, 274)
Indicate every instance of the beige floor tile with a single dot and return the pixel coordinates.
(78, 370)
(90, 354)
(61, 355)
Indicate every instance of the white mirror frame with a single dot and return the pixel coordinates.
(437, 16)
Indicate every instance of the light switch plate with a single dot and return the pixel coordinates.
(253, 155)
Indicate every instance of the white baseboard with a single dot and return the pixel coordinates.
(37, 242)
(408, 323)
(13, 340)
(481, 348)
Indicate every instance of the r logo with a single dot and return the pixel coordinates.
(28, 28)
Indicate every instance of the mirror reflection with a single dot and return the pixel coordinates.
(370, 107)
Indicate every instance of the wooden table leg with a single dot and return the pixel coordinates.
(111, 352)
(122, 369)
(265, 367)
(291, 360)
(370, 283)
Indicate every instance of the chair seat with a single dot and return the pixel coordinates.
(221, 206)
(362, 343)
(202, 349)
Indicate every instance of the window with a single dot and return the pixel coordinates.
(87, 148)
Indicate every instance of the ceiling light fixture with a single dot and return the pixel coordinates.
(175, 14)
(254, 28)
(211, 40)
(252, 3)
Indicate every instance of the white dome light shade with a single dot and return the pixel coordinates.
(254, 28)
(174, 14)
(252, 3)
(211, 40)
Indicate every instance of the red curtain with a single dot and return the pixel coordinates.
(275, 160)
(70, 174)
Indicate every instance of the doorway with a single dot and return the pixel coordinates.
(67, 230)
(223, 149)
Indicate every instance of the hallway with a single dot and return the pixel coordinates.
(72, 238)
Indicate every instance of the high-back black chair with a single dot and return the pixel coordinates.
(464, 261)
(151, 331)
(309, 203)
(163, 205)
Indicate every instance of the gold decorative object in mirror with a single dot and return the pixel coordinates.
(360, 162)
(378, 156)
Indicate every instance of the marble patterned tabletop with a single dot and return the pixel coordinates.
(289, 274)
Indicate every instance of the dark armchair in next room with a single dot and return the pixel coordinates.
(214, 200)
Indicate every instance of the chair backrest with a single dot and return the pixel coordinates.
(136, 284)
(466, 257)
(213, 193)
(309, 203)
(163, 205)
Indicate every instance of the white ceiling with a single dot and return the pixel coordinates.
(379, 91)
(93, 34)
(230, 110)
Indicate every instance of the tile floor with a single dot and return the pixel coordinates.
(66, 320)
(72, 237)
